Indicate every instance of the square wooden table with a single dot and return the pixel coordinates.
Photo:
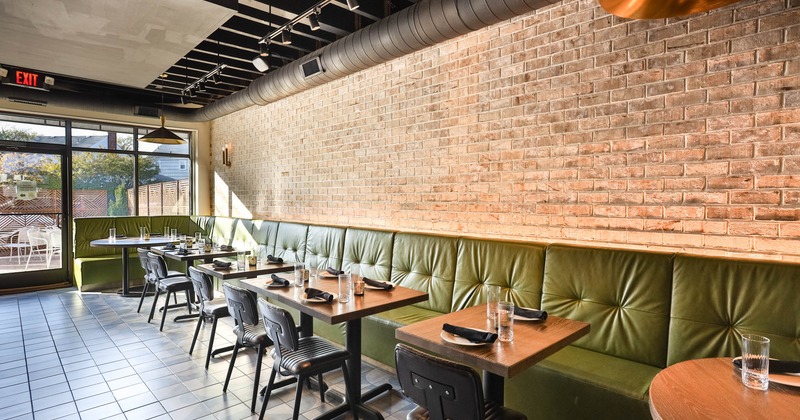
(372, 302)
(248, 272)
(533, 341)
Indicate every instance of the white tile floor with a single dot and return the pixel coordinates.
(72, 355)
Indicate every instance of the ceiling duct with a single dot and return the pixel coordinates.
(419, 26)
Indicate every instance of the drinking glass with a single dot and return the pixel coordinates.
(182, 242)
(143, 233)
(112, 235)
(299, 274)
(241, 262)
(755, 361)
(345, 287)
(505, 321)
(201, 245)
(312, 271)
(492, 297)
(198, 236)
(358, 281)
(166, 232)
(173, 234)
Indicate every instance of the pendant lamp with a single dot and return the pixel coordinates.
(162, 135)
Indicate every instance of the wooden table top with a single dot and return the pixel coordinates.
(712, 388)
(533, 340)
(234, 273)
(193, 254)
(130, 242)
(372, 302)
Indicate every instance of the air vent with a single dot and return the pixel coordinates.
(312, 67)
(146, 111)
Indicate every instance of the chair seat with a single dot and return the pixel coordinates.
(493, 412)
(173, 273)
(175, 284)
(311, 354)
(250, 337)
(216, 307)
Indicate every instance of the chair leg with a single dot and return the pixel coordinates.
(321, 387)
(298, 393)
(230, 366)
(196, 333)
(348, 391)
(267, 392)
(164, 312)
(155, 303)
(188, 301)
(144, 293)
(257, 378)
(211, 340)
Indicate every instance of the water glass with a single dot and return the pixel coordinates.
(505, 321)
(143, 233)
(198, 236)
(345, 287)
(112, 235)
(358, 281)
(173, 234)
(241, 262)
(182, 245)
(755, 361)
(299, 274)
(312, 271)
(201, 245)
(492, 297)
(166, 232)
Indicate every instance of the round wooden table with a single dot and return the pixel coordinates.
(712, 389)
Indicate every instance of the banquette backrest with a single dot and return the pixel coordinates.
(264, 234)
(624, 295)
(716, 300)
(290, 242)
(426, 263)
(326, 244)
(516, 267)
(371, 250)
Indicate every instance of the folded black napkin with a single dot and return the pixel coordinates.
(225, 248)
(385, 285)
(183, 252)
(474, 336)
(221, 264)
(312, 293)
(279, 281)
(119, 236)
(274, 260)
(333, 271)
(169, 246)
(530, 313)
(777, 366)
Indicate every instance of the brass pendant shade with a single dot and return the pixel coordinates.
(162, 135)
(659, 9)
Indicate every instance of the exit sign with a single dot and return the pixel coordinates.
(28, 79)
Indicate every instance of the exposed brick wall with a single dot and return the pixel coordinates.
(565, 125)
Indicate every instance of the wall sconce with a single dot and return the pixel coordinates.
(226, 157)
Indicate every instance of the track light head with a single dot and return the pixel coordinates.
(286, 36)
(263, 49)
(313, 21)
(352, 4)
(260, 63)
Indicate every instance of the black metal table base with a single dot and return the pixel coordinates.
(364, 411)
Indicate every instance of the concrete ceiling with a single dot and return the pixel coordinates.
(121, 42)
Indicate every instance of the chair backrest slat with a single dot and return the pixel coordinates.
(241, 305)
(280, 326)
(203, 287)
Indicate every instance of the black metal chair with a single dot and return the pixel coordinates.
(242, 307)
(301, 358)
(210, 310)
(170, 286)
(149, 277)
(444, 390)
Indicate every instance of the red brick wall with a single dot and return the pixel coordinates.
(565, 125)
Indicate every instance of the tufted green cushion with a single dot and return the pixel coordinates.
(129, 226)
(514, 266)
(624, 295)
(85, 230)
(426, 263)
(371, 250)
(716, 300)
(203, 224)
(182, 223)
(327, 245)
(242, 236)
(290, 242)
(264, 233)
(222, 232)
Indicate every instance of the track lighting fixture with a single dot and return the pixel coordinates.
(352, 4)
(261, 63)
(200, 85)
(286, 36)
(263, 49)
(313, 20)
